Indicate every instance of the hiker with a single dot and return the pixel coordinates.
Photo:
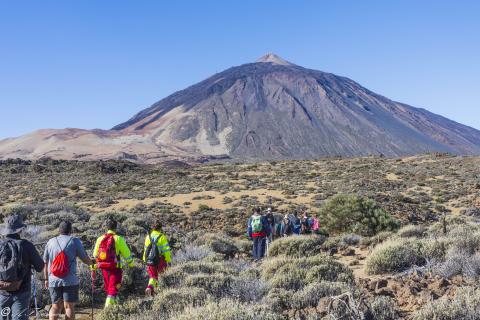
(17, 257)
(307, 224)
(61, 278)
(297, 223)
(315, 225)
(110, 249)
(258, 230)
(271, 222)
(286, 227)
(156, 255)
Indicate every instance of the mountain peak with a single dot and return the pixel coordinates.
(273, 58)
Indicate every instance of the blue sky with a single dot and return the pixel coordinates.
(93, 64)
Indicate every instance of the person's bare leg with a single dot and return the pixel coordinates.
(55, 310)
(69, 310)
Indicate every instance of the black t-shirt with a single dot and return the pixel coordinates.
(31, 259)
(270, 219)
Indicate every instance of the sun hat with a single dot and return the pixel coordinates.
(13, 224)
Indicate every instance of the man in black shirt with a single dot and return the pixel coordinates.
(271, 222)
(15, 304)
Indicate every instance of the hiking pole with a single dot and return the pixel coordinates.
(93, 289)
(266, 252)
(34, 286)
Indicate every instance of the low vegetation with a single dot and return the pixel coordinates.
(399, 237)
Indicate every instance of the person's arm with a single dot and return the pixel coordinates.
(164, 246)
(46, 260)
(147, 242)
(35, 260)
(95, 249)
(249, 227)
(124, 251)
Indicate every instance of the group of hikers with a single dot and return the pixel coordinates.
(264, 227)
(19, 257)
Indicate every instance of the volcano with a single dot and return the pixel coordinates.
(268, 109)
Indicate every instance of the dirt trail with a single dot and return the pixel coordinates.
(357, 263)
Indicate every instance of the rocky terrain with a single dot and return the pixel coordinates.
(408, 251)
(269, 109)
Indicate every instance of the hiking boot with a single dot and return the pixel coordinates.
(149, 292)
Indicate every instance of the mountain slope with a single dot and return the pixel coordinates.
(270, 109)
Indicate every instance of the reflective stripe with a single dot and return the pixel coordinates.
(153, 282)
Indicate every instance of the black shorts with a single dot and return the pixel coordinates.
(67, 294)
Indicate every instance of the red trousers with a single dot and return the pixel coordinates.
(154, 271)
(112, 281)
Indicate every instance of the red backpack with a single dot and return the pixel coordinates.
(107, 255)
(60, 265)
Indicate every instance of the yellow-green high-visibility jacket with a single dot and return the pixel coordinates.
(162, 245)
(121, 249)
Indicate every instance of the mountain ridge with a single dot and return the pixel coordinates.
(269, 109)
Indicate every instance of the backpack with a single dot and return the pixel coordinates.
(257, 225)
(107, 255)
(297, 226)
(12, 269)
(152, 254)
(315, 224)
(60, 265)
(308, 224)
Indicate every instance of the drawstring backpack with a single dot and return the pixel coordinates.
(60, 265)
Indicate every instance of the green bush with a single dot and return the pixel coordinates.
(298, 246)
(354, 214)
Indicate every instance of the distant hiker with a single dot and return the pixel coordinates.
(109, 250)
(61, 278)
(307, 224)
(17, 258)
(271, 221)
(297, 223)
(258, 230)
(315, 225)
(156, 255)
(286, 227)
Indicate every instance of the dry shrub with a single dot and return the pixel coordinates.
(309, 296)
(295, 274)
(384, 308)
(218, 243)
(465, 305)
(412, 231)
(297, 246)
(228, 310)
(395, 256)
(177, 299)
